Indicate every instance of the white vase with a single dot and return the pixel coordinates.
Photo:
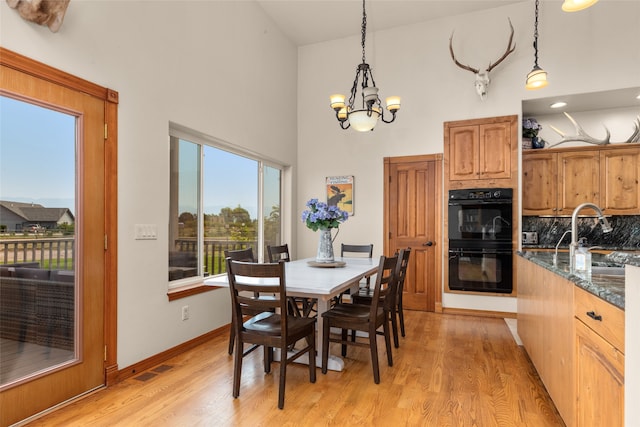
(325, 247)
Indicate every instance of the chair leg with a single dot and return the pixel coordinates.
(312, 358)
(326, 329)
(237, 370)
(387, 342)
(373, 347)
(268, 358)
(394, 325)
(283, 375)
(401, 315)
(232, 337)
(344, 346)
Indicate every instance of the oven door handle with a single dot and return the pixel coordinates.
(460, 252)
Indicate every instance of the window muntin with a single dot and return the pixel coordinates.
(219, 200)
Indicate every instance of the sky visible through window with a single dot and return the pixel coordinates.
(37, 155)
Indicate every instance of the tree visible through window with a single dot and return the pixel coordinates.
(219, 201)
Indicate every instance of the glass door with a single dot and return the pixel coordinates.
(52, 244)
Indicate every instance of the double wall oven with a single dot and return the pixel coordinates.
(480, 240)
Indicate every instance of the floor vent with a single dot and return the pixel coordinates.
(162, 368)
(145, 376)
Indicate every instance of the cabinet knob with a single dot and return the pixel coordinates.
(594, 316)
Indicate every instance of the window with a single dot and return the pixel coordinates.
(220, 199)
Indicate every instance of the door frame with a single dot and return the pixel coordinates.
(437, 158)
(42, 71)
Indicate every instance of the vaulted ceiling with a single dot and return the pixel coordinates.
(314, 21)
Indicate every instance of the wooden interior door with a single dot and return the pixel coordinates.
(413, 206)
(86, 370)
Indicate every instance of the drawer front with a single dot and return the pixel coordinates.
(604, 318)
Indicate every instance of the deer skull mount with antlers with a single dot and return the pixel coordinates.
(482, 78)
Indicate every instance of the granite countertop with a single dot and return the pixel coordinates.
(609, 288)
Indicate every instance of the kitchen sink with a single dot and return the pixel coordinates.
(607, 271)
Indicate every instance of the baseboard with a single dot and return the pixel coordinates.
(157, 359)
(480, 313)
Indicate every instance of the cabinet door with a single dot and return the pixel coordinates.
(599, 381)
(619, 176)
(495, 151)
(539, 183)
(578, 180)
(463, 152)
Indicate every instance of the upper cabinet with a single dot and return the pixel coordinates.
(480, 152)
(555, 182)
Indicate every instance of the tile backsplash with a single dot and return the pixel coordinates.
(625, 234)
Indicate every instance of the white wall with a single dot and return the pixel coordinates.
(592, 50)
(220, 68)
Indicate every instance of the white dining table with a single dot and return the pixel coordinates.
(322, 284)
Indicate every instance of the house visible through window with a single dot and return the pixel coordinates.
(219, 200)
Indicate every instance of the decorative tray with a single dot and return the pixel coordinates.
(334, 264)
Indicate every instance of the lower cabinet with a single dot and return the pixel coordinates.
(599, 362)
(575, 340)
(545, 326)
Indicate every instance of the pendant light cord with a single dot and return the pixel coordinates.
(364, 30)
(535, 37)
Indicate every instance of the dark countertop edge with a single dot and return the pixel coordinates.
(593, 287)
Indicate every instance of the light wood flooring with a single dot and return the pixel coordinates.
(450, 370)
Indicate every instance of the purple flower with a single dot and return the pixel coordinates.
(322, 216)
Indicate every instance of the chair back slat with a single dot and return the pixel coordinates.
(385, 285)
(361, 249)
(277, 253)
(245, 255)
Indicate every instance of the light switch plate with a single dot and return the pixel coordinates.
(146, 232)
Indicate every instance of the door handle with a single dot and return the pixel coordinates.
(429, 243)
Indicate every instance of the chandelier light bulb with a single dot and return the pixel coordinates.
(393, 103)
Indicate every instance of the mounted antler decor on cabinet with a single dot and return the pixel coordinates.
(482, 78)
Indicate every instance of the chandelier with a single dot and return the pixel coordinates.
(363, 117)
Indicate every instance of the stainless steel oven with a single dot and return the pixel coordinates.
(480, 240)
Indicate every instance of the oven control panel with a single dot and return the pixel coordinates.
(481, 194)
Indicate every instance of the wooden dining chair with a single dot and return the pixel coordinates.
(364, 296)
(245, 255)
(365, 318)
(358, 250)
(278, 252)
(269, 329)
(299, 306)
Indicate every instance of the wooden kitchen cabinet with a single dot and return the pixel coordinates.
(599, 362)
(539, 182)
(556, 181)
(545, 326)
(479, 150)
(619, 177)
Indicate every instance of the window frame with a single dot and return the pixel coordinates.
(192, 285)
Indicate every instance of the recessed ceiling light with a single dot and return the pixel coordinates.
(638, 97)
(558, 104)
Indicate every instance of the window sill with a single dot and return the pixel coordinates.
(189, 290)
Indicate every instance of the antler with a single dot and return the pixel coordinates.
(506, 52)
(464, 67)
(635, 136)
(581, 135)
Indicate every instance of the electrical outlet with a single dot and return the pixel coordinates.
(185, 312)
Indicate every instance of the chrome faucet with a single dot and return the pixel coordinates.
(606, 227)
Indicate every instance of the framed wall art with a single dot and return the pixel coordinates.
(340, 192)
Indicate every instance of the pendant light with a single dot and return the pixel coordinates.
(364, 117)
(576, 5)
(537, 78)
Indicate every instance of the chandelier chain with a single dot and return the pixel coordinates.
(363, 30)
